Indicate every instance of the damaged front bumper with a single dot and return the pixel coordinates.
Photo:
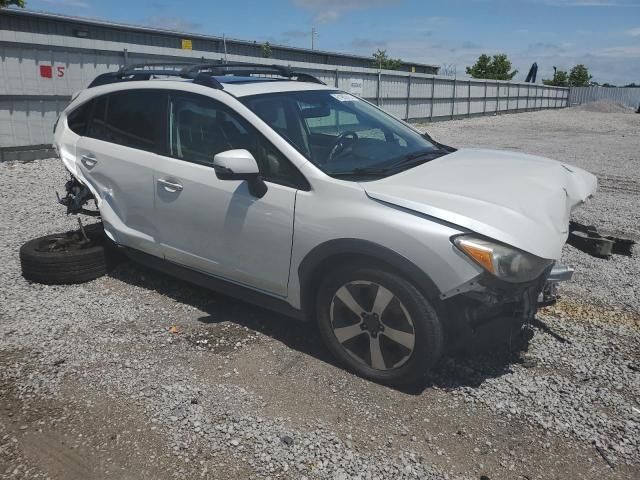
(559, 273)
(499, 313)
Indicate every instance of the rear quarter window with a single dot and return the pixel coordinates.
(133, 118)
(78, 119)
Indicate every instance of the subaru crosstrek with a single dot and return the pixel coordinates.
(302, 198)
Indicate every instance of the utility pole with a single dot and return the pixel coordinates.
(313, 38)
(224, 42)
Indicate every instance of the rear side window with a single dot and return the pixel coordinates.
(97, 127)
(134, 118)
(79, 118)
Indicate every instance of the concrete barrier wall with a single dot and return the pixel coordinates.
(40, 72)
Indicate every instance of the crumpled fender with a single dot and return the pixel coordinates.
(521, 200)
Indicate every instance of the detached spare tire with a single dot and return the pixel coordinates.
(66, 258)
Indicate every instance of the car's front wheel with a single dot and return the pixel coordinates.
(378, 324)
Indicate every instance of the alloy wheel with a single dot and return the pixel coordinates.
(372, 325)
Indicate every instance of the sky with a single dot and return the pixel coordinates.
(602, 34)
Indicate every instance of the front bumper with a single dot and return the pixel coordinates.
(559, 273)
(499, 312)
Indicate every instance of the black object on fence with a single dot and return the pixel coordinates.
(533, 72)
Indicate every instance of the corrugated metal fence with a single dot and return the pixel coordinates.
(629, 97)
(39, 73)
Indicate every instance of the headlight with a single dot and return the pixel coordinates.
(505, 262)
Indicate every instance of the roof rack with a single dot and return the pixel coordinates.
(201, 73)
(236, 68)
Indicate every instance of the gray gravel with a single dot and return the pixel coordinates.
(241, 392)
(74, 333)
(598, 400)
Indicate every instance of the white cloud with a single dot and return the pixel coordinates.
(173, 23)
(367, 44)
(618, 65)
(327, 11)
(628, 51)
(342, 3)
(633, 32)
(327, 17)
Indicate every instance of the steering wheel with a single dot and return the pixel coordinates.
(339, 145)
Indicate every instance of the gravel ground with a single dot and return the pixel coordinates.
(137, 375)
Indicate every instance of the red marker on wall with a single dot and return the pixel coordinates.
(46, 71)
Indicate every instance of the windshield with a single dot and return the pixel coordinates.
(342, 134)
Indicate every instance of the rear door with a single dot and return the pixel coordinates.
(117, 155)
(216, 226)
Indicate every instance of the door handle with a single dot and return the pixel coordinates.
(170, 186)
(89, 161)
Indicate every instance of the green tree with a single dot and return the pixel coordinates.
(560, 79)
(6, 3)
(383, 62)
(266, 50)
(492, 68)
(579, 76)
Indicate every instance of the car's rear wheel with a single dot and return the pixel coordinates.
(69, 257)
(378, 324)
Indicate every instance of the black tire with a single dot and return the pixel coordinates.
(70, 265)
(426, 326)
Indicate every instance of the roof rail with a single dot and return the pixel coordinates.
(201, 73)
(305, 77)
(144, 71)
(239, 68)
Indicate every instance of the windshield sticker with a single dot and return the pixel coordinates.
(344, 97)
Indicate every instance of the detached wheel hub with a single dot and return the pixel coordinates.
(64, 242)
(65, 258)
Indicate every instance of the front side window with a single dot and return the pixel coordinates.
(133, 118)
(200, 128)
(342, 134)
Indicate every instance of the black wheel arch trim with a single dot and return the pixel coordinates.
(316, 259)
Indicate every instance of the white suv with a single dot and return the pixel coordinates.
(307, 200)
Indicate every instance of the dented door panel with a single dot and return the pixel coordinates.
(121, 178)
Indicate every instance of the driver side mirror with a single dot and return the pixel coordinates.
(240, 165)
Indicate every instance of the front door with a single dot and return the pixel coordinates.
(216, 226)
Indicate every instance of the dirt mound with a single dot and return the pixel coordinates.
(603, 106)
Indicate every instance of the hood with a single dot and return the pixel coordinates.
(521, 200)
